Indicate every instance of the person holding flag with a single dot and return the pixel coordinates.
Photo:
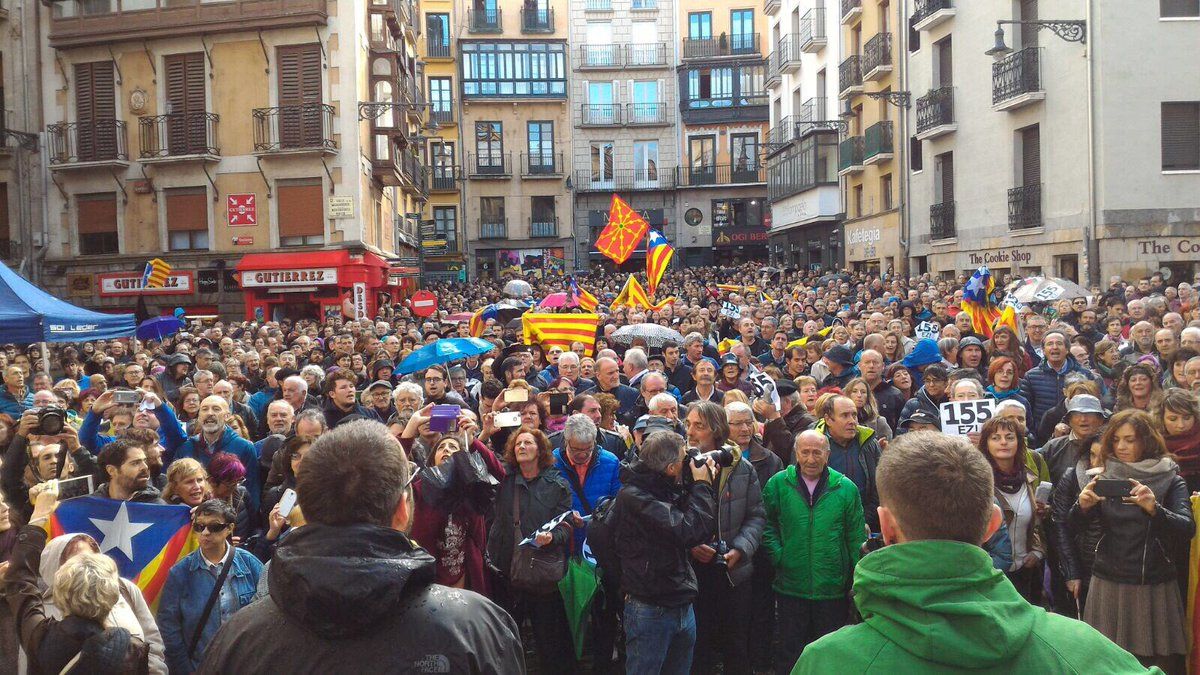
(658, 256)
(581, 298)
(977, 302)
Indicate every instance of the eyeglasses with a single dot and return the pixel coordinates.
(213, 528)
(434, 379)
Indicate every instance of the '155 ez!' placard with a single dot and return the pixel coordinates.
(960, 418)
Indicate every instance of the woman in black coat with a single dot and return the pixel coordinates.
(1075, 549)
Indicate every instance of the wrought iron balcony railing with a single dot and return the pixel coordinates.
(485, 20)
(737, 44)
(102, 140)
(496, 230)
(543, 229)
(307, 126)
(537, 19)
(600, 114)
(600, 56)
(1016, 74)
(178, 135)
(941, 221)
(850, 153)
(1025, 207)
(878, 140)
(935, 109)
(850, 73)
(877, 53)
(541, 164)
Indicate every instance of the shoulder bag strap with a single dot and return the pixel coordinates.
(212, 600)
(573, 481)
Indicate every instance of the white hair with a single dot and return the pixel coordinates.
(636, 358)
(296, 380)
(410, 388)
(738, 407)
(568, 357)
(661, 400)
(579, 428)
(87, 586)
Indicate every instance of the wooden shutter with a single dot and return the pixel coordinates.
(301, 207)
(97, 213)
(300, 120)
(186, 127)
(946, 165)
(1180, 136)
(1031, 156)
(187, 209)
(95, 111)
(945, 63)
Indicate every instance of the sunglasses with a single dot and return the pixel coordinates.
(214, 528)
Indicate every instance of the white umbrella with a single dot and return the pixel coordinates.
(654, 335)
(518, 288)
(1045, 289)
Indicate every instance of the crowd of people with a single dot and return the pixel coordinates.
(744, 491)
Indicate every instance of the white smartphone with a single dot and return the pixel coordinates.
(504, 420)
(287, 502)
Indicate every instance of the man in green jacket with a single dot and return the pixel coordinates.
(931, 601)
(814, 535)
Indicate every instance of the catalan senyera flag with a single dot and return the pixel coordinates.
(977, 302)
(744, 290)
(633, 295)
(560, 329)
(819, 335)
(1008, 317)
(156, 273)
(145, 540)
(658, 256)
(582, 298)
(624, 230)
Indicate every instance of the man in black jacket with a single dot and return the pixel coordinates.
(350, 591)
(657, 522)
(342, 400)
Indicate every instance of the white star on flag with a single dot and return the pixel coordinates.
(118, 533)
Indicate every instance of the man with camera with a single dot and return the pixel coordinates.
(932, 598)
(656, 522)
(36, 455)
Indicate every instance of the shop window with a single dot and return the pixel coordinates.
(97, 223)
(187, 219)
(301, 209)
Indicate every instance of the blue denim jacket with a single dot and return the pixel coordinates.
(183, 599)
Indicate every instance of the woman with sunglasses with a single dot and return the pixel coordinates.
(194, 579)
(227, 481)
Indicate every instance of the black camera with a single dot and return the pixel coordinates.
(51, 420)
(721, 549)
(721, 457)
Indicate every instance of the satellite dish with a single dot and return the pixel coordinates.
(1165, 272)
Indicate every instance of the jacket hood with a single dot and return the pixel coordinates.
(52, 557)
(343, 581)
(923, 353)
(864, 433)
(944, 602)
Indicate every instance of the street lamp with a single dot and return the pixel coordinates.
(1071, 30)
(900, 99)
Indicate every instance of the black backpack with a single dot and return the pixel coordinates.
(602, 536)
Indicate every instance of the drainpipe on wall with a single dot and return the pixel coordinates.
(902, 260)
(1090, 246)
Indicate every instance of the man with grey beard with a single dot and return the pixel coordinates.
(216, 436)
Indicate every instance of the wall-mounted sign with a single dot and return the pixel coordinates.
(130, 283)
(340, 207)
(1014, 255)
(693, 216)
(243, 210)
(1169, 249)
(208, 281)
(296, 277)
(360, 300)
(80, 285)
(243, 241)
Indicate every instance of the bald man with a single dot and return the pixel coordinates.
(214, 436)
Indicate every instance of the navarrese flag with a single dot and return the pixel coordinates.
(581, 297)
(624, 230)
(560, 329)
(156, 273)
(633, 295)
(145, 540)
(658, 256)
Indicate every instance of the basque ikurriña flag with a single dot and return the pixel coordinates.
(145, 540)
(658, 256)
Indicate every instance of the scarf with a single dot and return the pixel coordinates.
(1012, 481)
(1001, 395)
(1186, 449)
(1155, 472)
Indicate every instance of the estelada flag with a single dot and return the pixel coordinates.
(560, 329)
(581, 297)
(658, 256)
(145, 540)
(624, 230)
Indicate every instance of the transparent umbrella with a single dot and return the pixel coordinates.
(518, 288)
(654, 335)
(1045, 289)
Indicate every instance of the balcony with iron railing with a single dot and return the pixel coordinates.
(178, 137)
(546, 164)
(1017, 80)
(543, 229)
(291, 129)
(647, 114)
(851, 10)
(607, 179)
(444, 178)
(878, 143)
(412, 173)
(600, 114)
(850, 79)
(99, 22)
(935, 113)
(537, 19)
(1025, 207)
(82, 145)
(787, 50)
(737, 44)
(643, 55)
(929, 14)
(435, 48)
(781, 134)
(747, 173)
(771, 7)
(812, 30)
(877, 57)
(603, 57)
(941, 221)
(485, 20)
(491, 165)
(774, 72)
(850, 155)
(493, 230)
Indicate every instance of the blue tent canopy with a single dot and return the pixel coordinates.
(28, 314)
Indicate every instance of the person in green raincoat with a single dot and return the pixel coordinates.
(931, 601)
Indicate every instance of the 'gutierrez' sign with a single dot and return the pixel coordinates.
(301, 277)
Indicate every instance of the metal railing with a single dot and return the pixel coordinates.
(537, 19)
(95, 141)
(599, 56)
(178, 135)
(941, 221)
(935, 109)
(444, 178)
(737, 44)
(498, 230)
(438, 50)
(646, 113)
(307, 126)
(600, 114)
(813, 110)
(774, 70)
(787, 51)
(850, 73)
(722, 174)
(643, 4)
(850, 153)
(646, 54)
(877, 52)
(849, 6)
(442, 111)
(543, 229)
(878, 140)
(742, 101)
(1025, 207)
(926, 8)
(624, 179)
(485, 20)
(781, 133)
(597, 5)
(1016, 74)
(812, 28)
(541, 164)
(489, 165)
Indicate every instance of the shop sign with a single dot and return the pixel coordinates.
(243, 241)
(1169, 249)
(80, 285)
(243, 210)
(340, 207)
(130, 283)
(1010, 256)
(360, 300)
(207, 281)
(284, 278)
(864, 236)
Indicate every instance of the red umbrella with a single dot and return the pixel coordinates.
(556, 301)
(455, 318)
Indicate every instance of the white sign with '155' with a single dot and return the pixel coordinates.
(960, 418)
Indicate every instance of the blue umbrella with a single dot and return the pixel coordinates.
(443, 351)
(159, 327)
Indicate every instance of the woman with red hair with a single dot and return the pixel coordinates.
(1004, 382)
